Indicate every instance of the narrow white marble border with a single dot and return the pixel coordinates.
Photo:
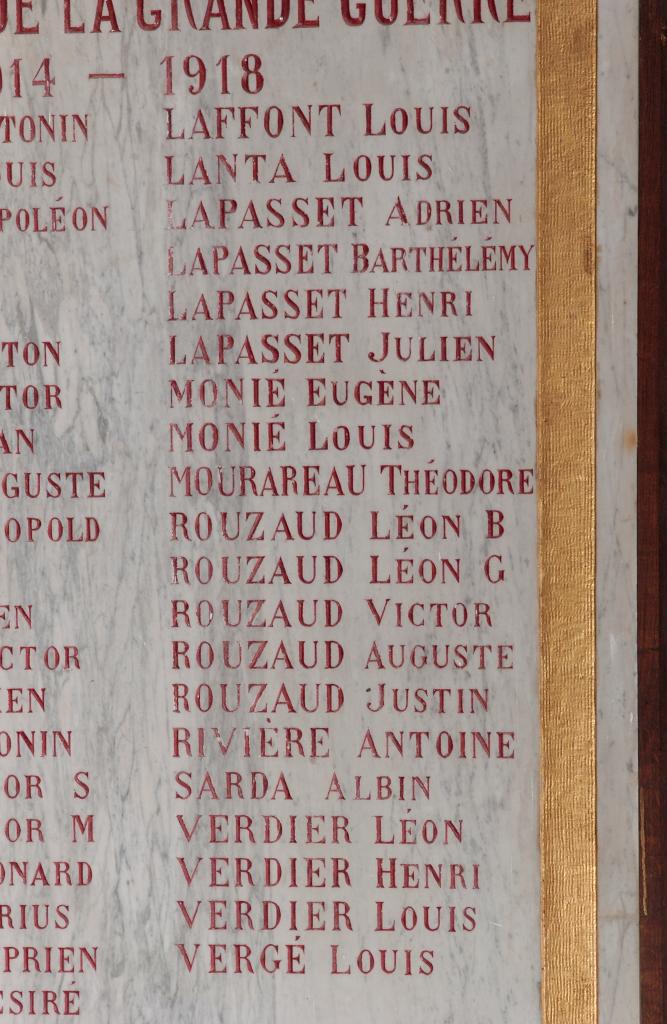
(618, 897)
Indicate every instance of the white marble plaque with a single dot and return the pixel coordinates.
(269, 671)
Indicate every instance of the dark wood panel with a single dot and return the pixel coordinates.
(652, 518)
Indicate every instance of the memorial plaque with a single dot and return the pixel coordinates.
(317, 512)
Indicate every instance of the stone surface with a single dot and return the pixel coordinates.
(105, 294)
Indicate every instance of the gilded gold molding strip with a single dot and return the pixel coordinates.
(566, 291)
